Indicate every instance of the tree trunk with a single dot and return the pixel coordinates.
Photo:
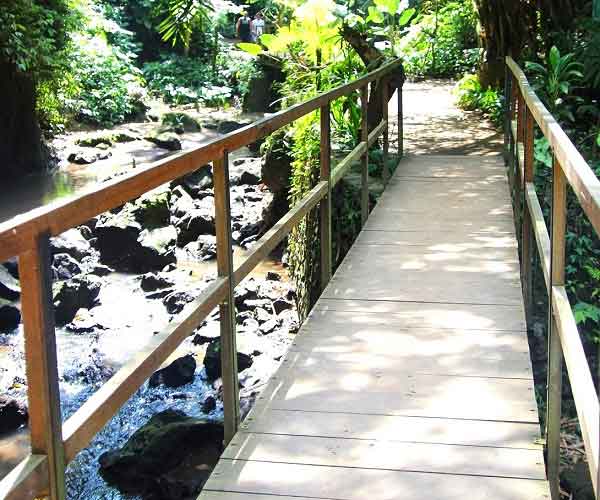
(22, 149)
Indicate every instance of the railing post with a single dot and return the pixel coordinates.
(45, 422)
(400, 122)
(518, 184)
(325, 205)
(526, 228)
(364, 191)
(507, 118)
(231, 400)
(385, 93)
(555, 361)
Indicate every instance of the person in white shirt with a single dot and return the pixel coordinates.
(258, 26)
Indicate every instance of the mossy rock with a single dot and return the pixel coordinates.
(166, 141)
(152, 208)
(180, 122)
(95, 141)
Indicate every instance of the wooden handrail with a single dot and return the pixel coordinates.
(55, 444)
(569, 169)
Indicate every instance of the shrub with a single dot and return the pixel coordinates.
(472, 96)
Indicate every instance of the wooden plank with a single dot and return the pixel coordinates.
(344, 165)
(400, 111)
(376, 132)
(83, 425)
(395, 428)
(29, 479)
(45, 420)
(328, 312)
(357, 484)
(384, 82)
(388, 455)
(364, 168)
(451, 242)
(540, 230)
(526, 228)
(231, 399)
(582, 385)
(64, 214)
(325, 204)
(580, 176)
(268, 241)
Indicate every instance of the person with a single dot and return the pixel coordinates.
(243, 27)
(258, 26)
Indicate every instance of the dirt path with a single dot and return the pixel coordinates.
(433, 124)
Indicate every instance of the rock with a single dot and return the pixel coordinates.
(273, 276)
(248, 290)
(212, 360)
(101, 270)
(89, 370)
(124, 137)
(280, 305)
(72, 295)
(117, 237)
(209, 404)
(65, 267)
(13, 414)
(181, 202)
(290, 319)
(84, 322)
(12, 266)
(245, 171)
(227, 126)
(204, 249)
(276, 167)
(156, 249)
(9, 286)
(250, 304)
(262, 316)
(178, 373)
(576, 480)
(269, 326)
(88, 156)
(196, 182)
(152, 281)
(199, 221)
(152, 208)
(180, 122)
(147, 463)
(10, 316)
(166, 141)
(71, 242)
(93, 141)
(176, 301)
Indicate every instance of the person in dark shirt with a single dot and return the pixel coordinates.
(243, 27)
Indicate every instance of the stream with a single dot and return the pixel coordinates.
(124, 317)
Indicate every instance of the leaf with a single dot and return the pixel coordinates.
(267, 39)
(554, 57)
(251, 48)
(406, 16)
(389, 6)
(375, 15)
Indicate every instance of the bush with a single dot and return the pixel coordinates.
(446, 51)
(472, 96)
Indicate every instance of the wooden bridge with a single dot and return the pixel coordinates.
(411, 378)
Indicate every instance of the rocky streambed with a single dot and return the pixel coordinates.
(118, 280)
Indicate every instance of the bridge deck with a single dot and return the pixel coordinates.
(411, 378)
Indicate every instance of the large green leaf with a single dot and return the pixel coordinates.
(388, 6)
(252, 48)
(375, 15)
(406, 16)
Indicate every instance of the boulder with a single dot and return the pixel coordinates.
(280, 305)
(181, 202)
(200, 220)
(72, 295)
(88, 156)
(72, 243)
(65, 267)
(152, 208)
(178, 373)
(117, 237)
(273, 276)
(12, 266)
(204, 249)
(167, 141)
(212, 360)
(84, 322)
(147, 464)
(13, 414)
(94, 141)
(245, 171)
(9, 286)
(155, 251)
(152, 281)
(124, 137)
(262, 315)
(197, 181)
(180, 122)
(10, 316)
(227, 126)
(209, 404)
(101, 270)
(269, 326)
(176, 301)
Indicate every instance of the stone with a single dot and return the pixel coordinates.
(269, 326)
(280, 305)
(245, 171)
(180, 122)
(10, 317)
(65, 267)
(209, 404)
(273, 276)
(204, 249)
(227, 126)
(156, 249)
(151, 209)
(9, 286)
(88, 156)
(181, 202)
(147, 464)
(152, 281)
(124, 137)
(262, 316)
(195, 223)
(167, 141)
(13, 414)
(176, 301)
(248, 290)
(71, 242)
(94, 141)
(12, 266)
(117, 237)
(84, 322)
(212, 360)
(196, 182)
(178, 373)
(72, 295)
(101, 270)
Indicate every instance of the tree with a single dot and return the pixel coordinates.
(34, 44)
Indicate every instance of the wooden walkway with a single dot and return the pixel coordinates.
(411, 379)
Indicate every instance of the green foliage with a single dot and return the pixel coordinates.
(587, 50)
(472, 96)
(442, 44)
(181, 18)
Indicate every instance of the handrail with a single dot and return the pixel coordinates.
(53, 443)
(569, 169)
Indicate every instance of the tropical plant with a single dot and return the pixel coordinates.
(471, 96)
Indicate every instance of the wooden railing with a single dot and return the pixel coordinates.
(54, 444)
(569, 169)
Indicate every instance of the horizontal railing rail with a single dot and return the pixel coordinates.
(523, 110)
(53, 443)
